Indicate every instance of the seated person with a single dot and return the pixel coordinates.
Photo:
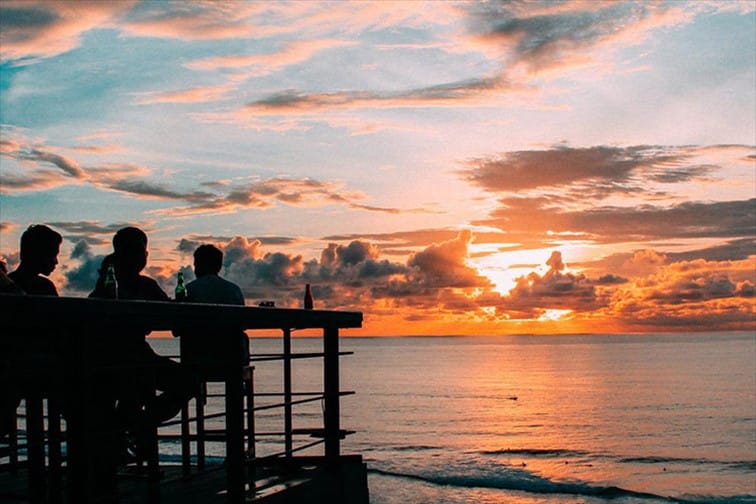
(211, 352)
(40, 247)
(39, 358)
(134, 395)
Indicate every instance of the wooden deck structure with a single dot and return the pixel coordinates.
(45, 475)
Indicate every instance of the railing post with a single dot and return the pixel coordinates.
(288, 428)
(331, 393)
(251, 456)
(235, 459)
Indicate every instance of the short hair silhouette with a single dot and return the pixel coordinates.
(130, 250)
(208, 259)
(39, 241)
(128, 238)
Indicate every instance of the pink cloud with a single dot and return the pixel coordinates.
(194, 20)
(291, 53)
(41, 29)
(192, 95)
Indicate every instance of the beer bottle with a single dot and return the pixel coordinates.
(109, 284)
(308, 298)
(180, 293)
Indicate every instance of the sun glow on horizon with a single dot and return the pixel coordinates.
(553, 314)
(504, 268)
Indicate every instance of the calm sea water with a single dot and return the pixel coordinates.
(535, 419)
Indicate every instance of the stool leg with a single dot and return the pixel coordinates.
(249, 387)
(54, 450)
(153, 468)
(35, 446)
(186, 449)
(13, 444)
(200, 410)
(235, 474)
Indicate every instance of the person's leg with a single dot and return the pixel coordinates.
(177, 384)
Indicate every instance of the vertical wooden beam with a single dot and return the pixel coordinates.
(199, 413)
(54, 452)
(186, 447)
(35, 448)
(249, 388)
(331, 386)
(288, 426)
(235, 474)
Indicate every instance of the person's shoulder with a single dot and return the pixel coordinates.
(227, 282)
(235, 289)
(46, 287)
(151, 290)
(36, 285)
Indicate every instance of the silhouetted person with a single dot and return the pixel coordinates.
(39, 357)
(40, 247)
(7, 286)
(130, 399)
(227, 346)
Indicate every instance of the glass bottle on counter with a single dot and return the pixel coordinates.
(110, 284)
(308, 298)
(180, 293)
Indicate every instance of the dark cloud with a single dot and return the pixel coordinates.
(82, 278)
(541, 216)
(88, 227)
(132, 180)
(695, 295)
(152, 190)
(731, 250)
(303, 192)
(351, 264)
(24, 17)
(543, 35)
(67, 165)
(605, 169)
(553, 290)
(701, 287)
(451, 93)
(188, 246)
(349, 255)
(272, 270)
(610, 279)
(81, 250)
(190, 243)
(443, 265)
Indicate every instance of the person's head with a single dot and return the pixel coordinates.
(130, 250)
(40, 247)
(208, 260)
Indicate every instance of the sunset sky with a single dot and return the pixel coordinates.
(444, 167)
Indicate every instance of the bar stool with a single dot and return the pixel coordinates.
(201, 434)
(36, 382)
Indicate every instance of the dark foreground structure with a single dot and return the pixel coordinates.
(53, 456)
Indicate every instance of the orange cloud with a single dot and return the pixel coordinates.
(696, 294)
(435, 289)
(192, 95)
(133, 180)
(42, 29)
(255, 65)
(194, 20)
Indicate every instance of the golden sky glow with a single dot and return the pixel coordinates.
(444, 167)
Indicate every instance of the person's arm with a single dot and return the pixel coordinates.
(99, 290)
(239, 296)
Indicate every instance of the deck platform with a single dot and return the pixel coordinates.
(301, 480)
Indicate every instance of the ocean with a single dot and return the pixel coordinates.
(538, 419)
